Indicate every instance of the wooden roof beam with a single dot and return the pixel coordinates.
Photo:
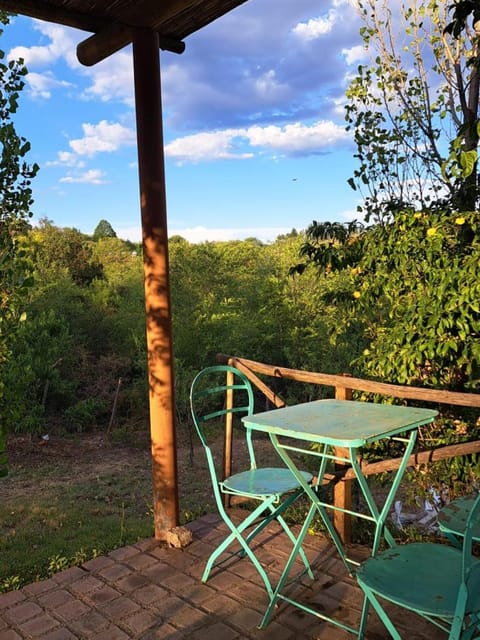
(113, 38)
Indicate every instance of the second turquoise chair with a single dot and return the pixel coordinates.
(274, 489)
(437, 581)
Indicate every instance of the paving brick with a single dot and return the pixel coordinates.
(216, 631)
(112, 633)
(22, 612)
(37, 588)
(103, 595)
(148, 544)
(140, 621)
(9, 634)
(115, 572)
(168, 607)
(11, 598)
(198, 593)
(55, 598)
(89, 625)
(157, 572)
(59, 634)
(187, 617)
(119, 608)
(123, 553)
(38, 625)
(165, 632)
(72, 610)
(149, 594)
(141, 561)
(251, 594)
(98, 563)
(178, 582)
(131, 582)
(246, 619)
(86, 585)
(69, 575)
(222, 605)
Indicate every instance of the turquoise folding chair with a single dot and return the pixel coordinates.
(439, 582)
(275, 489)
(452, 519)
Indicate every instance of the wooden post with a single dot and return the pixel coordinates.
(342, 492)
(146, 64)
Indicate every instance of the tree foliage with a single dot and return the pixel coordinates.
(15, 201)
(413, 110)
(104, 230)
(412, 272)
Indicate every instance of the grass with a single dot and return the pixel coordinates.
(77, 498)
(82, 496)
(50, 530)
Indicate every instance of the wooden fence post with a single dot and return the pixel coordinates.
(228, 441)
(342, 492)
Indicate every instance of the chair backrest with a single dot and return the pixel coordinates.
(467, 557)
(208, 395)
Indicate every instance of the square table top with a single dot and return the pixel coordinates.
(340, 423)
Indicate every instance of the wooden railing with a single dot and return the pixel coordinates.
(344, 386)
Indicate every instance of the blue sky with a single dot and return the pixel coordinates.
(253, 123)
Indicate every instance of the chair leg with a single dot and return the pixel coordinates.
(275, 514)
(364, 618)
(372, 599)
(472, 628)
(300, 550)
(286, 571)
(236, 535)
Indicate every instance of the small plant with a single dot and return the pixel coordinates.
(11, 583)
(57, 563)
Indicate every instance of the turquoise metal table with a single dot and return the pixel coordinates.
(338, 429)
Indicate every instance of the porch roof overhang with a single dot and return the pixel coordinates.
(149, 25)
(113, 23)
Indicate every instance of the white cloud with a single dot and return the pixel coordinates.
(204, 234)
(268, 86)
(299, 138)
(292, 139)
(355, 54)
(92, 176)
(102, 137)
(62, 44)
(316, 27)
(217, 145)
(41, 85)
(112, 79)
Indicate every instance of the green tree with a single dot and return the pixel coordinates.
(410, 277)
(55, 248)
(15, 202)
(414, 110)
(104, 230)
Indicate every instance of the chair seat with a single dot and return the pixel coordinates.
(265, 481)
(420, 576)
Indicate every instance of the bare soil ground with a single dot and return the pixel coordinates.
(37, 465)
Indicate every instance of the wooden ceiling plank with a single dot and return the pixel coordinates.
(52, 13)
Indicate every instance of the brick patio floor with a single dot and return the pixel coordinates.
(150, 592)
